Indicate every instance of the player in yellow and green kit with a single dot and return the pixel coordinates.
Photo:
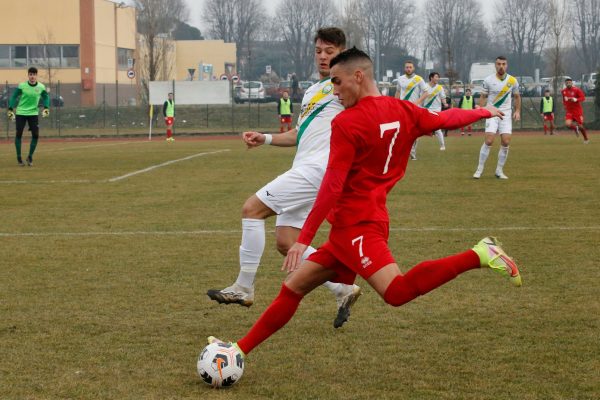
(26, 98)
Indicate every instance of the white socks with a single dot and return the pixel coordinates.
(502, 156)
(251, 250)
(483, 155)
(440, 136)
(413, 150)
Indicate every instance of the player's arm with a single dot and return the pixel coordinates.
(580, 96)
(341, 156)
(12, 103)
(421, 99)
(255, 139)
(397, 94)
(45, 99)
(517, 114)
(164, 110)
(453, 118)
(542, 106)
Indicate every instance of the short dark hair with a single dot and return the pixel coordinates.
(501, 58)
(170, 93)
(547, 91)
(352, 54)
(468, 90)
(32, 70)
(332, 35)
(431, 75)
(409, 62)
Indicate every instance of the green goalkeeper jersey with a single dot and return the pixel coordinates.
(30, 98)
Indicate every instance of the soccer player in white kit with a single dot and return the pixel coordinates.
(432, 99)
(410, 87)
(497, 91)
(291, 195)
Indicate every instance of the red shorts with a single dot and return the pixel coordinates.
(577, 117)
(169, 120)
(286, 119)
(548, 117)
(359, 249)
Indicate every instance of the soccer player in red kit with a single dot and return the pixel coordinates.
(370, 147)
(573, 97)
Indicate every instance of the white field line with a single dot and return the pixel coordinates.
(153, 167)
(237, 231)
(87, 147)
(115, 179)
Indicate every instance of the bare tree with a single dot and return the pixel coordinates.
(297, 22)
(449, 28)
(380, 25)
(586, 31)
(156, 20)
(49, 54)
(557, 24)
(524, 22)
(235, 21)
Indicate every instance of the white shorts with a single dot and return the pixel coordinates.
(291, 196)
(496, 125)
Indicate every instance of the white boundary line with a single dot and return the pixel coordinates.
(236, 231)
(153, 167)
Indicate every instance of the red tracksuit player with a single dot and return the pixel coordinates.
(573, 97)
(370, 146)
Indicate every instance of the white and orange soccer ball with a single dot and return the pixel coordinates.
(220, 365)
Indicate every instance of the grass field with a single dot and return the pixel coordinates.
(103, 275)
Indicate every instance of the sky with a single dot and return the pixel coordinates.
(196, 9)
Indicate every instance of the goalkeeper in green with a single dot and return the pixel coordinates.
(26, 98)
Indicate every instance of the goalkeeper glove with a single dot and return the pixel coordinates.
(10, 114)
(45, 113)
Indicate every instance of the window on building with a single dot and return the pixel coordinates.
(19, 56)
(53, 55)
(70, 57)
(4, 56)
(124, 56)
(36, 56)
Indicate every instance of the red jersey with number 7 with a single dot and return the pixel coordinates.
(369, 150)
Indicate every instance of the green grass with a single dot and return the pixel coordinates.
(88, 313)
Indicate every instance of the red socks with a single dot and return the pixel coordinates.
(169, 133)
(427, 276)
(274, 318)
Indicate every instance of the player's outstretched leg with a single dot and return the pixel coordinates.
(429, 275)
(440, 137)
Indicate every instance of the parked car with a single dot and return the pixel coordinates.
(527, 86)
(548, 83)
(305, 85)
(250, 91)
(476, 87)
(588, 83)
(271, 91)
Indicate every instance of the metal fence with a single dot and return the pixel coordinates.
(125, 118)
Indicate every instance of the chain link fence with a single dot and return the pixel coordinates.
(123, 117)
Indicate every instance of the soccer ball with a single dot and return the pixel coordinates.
(220, 365)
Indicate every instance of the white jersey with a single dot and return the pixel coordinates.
(435, 96)
(412, 88)
(499, 91)
(319, 107)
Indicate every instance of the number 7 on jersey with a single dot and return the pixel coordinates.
(388, 127)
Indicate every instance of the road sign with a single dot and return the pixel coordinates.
(268, 69)
(224, 77)
(130, 74)
(389, 73)
(235, 79)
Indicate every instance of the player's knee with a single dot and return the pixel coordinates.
(35, 133)
(283, 245)
(252, 209)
